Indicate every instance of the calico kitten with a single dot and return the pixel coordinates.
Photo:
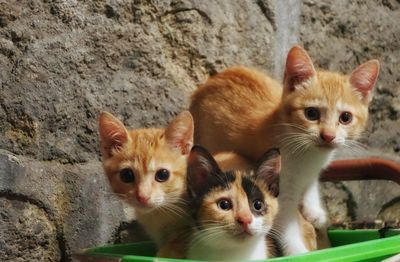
(147, 168)
(233, 210)
(232, 161)
(245, 111)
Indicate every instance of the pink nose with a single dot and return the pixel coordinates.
(244, 221)
(327, 137)
(142, 199)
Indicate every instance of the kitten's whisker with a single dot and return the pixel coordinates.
(354, 146)
(205, 236)
(296, 144)
(173, 210)
(291, 125)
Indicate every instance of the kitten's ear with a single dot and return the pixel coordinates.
(299, 68)
(179, 133)
(364, 77)
(269, 168)
(113, 134)
(201, 167)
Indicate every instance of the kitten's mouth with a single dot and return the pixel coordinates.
(244, 234)
(144, 207)
(325, 145)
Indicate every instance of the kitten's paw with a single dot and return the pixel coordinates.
(292, 241)
(316, 215)
(322, 239)
(294, 249)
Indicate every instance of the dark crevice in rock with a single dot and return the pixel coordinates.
(128, 232)
(9, 195)
(110, 12)
(203, 14)
(267, 12)
(390, 203)
(62, 245)
(350, 203)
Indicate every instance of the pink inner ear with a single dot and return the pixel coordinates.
(198, 171)
(299, 67)
(112, 133)
(180, 140)
(179, 133)
(271, 166)
(364, 77)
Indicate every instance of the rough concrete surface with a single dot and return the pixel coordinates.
(64, 61)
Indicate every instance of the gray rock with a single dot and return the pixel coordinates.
(26, 232)
(63, 62)
(390, 211)
(338, 201)
(72, 203)
(370, 196)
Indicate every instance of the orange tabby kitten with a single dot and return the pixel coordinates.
(245, 111)
(147, 168)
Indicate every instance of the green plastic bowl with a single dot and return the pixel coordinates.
(347, 245)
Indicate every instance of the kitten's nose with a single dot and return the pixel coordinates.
(327, 136)
(142, 199)
(244, 222)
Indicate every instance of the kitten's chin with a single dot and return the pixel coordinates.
(246, 234)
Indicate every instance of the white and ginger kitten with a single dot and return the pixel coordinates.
(245, 111)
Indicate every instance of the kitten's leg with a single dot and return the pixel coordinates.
(322, 238)
(314, 212)
(312, 208)
(308, 232)
(286, 224)
(290, 235)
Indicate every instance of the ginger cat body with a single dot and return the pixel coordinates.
(147, 168)
(233, 210)
(245, 111)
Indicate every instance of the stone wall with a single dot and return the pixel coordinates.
(63, 61)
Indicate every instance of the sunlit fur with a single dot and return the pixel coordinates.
(246, 111)
(332, 94)
(249, 113)
(145, 151)
(232, 161)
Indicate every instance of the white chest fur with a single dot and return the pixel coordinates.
(298, 174)
(255, 248)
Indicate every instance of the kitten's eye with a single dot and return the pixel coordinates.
(258, 205)
(127, 175)
(162, 175)
(345, 118)
(224, 204)
(312, 113)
